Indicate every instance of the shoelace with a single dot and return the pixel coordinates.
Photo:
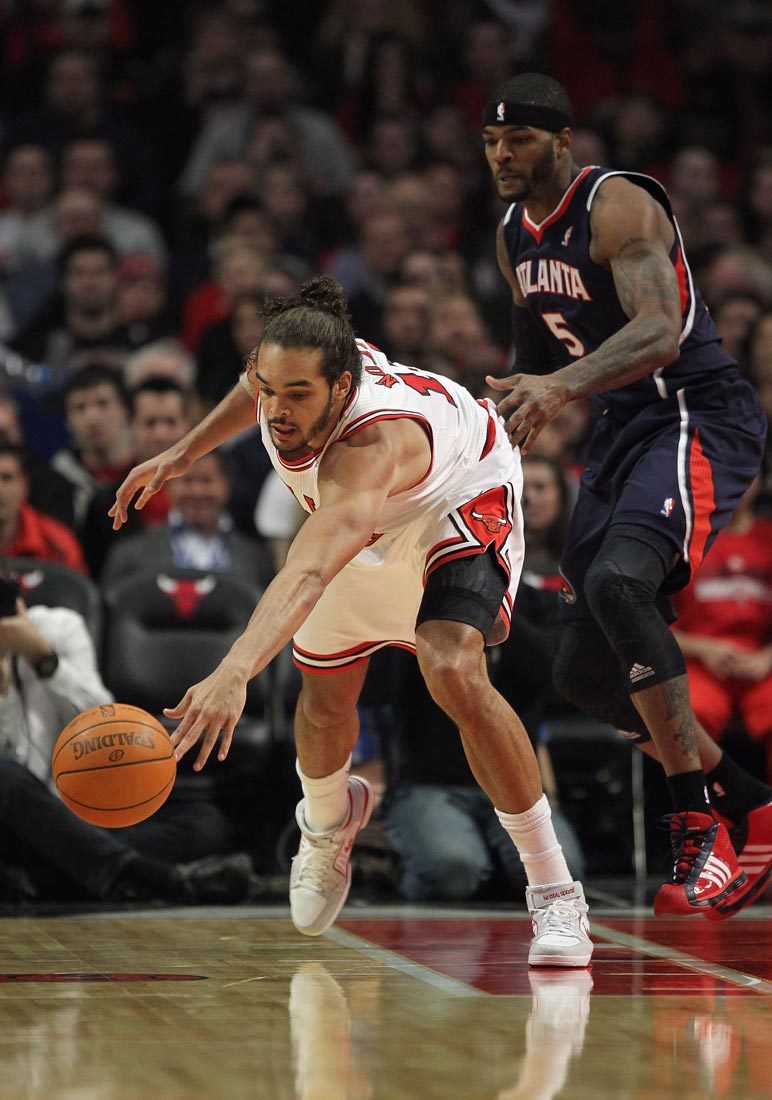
(560, 917)
(686, 842)
(316, 859)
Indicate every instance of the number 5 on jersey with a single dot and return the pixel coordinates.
(558, 327)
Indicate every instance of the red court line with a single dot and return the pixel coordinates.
(491, 954)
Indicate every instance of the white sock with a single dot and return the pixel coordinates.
(533, 834)
(326, 798)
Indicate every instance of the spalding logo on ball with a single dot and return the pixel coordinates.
(114, 765)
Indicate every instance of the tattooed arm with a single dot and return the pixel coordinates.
(632, 237)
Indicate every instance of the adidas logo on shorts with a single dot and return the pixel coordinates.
(640, 672)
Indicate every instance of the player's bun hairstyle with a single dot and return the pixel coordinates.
(316, 317)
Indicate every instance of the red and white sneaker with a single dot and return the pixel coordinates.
(321, 871)
(705, 867)
(561, 930)
(752, 841)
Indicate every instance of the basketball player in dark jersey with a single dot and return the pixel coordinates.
(605, 308)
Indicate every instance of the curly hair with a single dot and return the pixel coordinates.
(316, 317)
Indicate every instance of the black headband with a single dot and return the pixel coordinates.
(501, 112)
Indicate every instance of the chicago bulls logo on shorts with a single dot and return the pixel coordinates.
(487, 517)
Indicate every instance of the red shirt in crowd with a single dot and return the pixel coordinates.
(731, 595)
(41, 536)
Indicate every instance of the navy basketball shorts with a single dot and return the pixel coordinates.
(679, 466)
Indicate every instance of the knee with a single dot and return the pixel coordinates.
(323, 708)
(453, 676)
(613, 594)
(604, 589)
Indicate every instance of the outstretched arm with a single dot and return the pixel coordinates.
(632, 237)
(353, 485)
(235, 412)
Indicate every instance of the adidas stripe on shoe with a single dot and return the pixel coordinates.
(705, 867)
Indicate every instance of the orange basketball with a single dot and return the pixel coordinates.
(114, 765)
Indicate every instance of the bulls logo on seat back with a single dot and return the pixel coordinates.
(168, 630)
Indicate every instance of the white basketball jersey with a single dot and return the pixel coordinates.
(461, 431)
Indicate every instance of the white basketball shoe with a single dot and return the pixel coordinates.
(321, 871)
(561, 930)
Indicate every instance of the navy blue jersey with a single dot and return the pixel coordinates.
(575, 303)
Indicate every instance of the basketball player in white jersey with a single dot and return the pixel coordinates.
(414, 538)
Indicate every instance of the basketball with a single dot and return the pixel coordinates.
(114, 765)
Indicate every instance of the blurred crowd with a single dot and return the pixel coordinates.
(166, 167)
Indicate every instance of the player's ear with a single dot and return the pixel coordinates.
(343, 384)
(563, 138)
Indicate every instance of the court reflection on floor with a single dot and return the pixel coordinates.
(334, 1038)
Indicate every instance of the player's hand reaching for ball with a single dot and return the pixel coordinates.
(149, 477)
(212, 708)
(532, 402)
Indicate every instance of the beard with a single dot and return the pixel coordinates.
(541, 174)
(305, 444)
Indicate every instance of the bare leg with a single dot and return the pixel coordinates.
(326, 720)
(452, 660)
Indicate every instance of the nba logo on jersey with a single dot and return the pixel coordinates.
(667, 507)
(500, 111)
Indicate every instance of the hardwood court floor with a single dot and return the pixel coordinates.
(392, 1004)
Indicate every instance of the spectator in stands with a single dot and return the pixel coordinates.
(142, 299)
(224, 346)
(24, 531)
(459, 344)
(238, 269)
(406, 325)
(83, 323)
(199, 224)
(90, 163)
(735, 319)
(547, 508)
(247, 220)
(27, 180)
(96, 407)
(48, 675)
(270, 87)
(367, 270)
(76, 104)
(48, 491)
(724, 628)
(283, 190)
(447, 136)
(736, 269)
(34, 281)
(393, 146)
(160, 415)
(163, 357)
(437, 272)
(198, 534)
